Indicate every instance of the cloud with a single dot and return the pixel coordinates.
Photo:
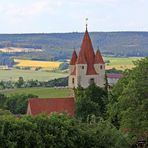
(67, 15)
(91, 2)
(34, 8)
(31, 9)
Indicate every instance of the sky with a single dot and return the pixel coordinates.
(52, 16)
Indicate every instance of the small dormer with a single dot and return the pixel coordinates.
(73, 58)
(72, 62)
(99, 62)
(81, 64)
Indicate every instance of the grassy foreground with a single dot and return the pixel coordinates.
(40, 92)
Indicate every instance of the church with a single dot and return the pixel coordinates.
(87, 67)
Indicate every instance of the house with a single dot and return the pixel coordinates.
(87, 67)
(60, 105)
(113, 78)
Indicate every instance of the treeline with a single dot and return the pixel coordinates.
(60, 45)
(14, 104)
(6, 60)
(60, 82)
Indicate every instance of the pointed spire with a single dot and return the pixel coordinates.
(98, 58)
(86, 54)
(73, 58)
(87, 48)
(86, 23)
(81, 59)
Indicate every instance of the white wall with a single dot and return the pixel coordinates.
(82, 79)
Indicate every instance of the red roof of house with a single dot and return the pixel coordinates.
(73, 58)
(60, 105)
(98, 58)
(114, 75)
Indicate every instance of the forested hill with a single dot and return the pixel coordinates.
(60, 45)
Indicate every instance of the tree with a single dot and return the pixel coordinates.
(20, 82)
(91, 100)
(129, 105)
(17, 104)
(3, 99)
(58, 131)
(5, 112)
(63, 66)
(2, 85)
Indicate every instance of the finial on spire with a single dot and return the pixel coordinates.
(86, 22)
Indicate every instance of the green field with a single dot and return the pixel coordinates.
(120, 63)
(40, 92)
(14, 74)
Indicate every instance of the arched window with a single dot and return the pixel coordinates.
(101, 67)
(91, 81)
(82, 67)
(73, 80)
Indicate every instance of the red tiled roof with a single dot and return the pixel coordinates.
(73, 58)
(114, 75)
(81, 58)
(91, 70)
(60, 105)
(87, 54)
(87, 48)
(98, 58)
(74, 71)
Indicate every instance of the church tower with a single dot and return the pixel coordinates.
(88, 67)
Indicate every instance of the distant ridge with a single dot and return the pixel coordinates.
(61, 45)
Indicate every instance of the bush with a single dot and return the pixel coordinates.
(63, 66)
(17, 104)
(90, 101)
(4, 112)
(57, 131)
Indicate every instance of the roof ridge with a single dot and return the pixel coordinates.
(50, 98)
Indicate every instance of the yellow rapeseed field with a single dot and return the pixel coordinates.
(34, 64)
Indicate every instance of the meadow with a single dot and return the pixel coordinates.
(120, 63)
(40, 92)
(14, 74)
